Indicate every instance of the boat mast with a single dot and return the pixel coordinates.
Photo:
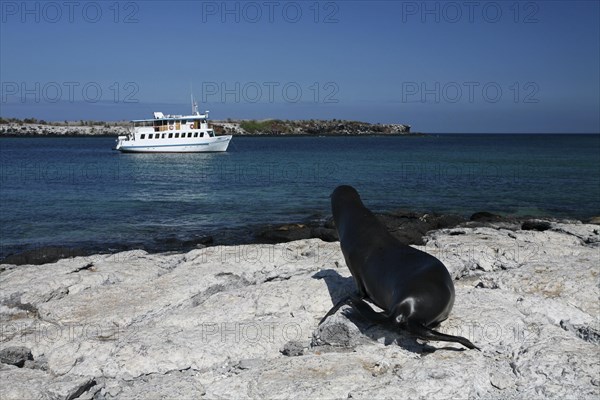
(194, 104)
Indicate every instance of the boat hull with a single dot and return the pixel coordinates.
(209, 145)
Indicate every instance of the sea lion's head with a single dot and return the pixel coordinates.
(344, 197)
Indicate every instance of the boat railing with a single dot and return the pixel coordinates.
(170, 127)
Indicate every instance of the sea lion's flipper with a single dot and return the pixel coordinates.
(333, 310)
(367, 312)
(422, 332)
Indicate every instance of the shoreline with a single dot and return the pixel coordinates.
(410, 227)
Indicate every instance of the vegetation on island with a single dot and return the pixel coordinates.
(318, 127)
(271, 126)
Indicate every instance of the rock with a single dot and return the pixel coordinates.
(286, 233)
(536, 225)
(253, 362)
(484, 216)
(175, 243)
(445, 221)
(594, 220)
(489, 220)
(588, 234)
(336, 331)
(327, 235)
(293, 349)
(500, 381)
(40, 362)
(232, 322)
(23, 383)
(16, 356)
(172, 385)
(584, 332)
(410, 228)
(200, 240)
(329, 223)
(43, 255)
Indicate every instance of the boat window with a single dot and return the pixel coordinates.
(170, 135)
(143, 136)
(163, 135)
(183, 121)
(150, 136)
(195, 134)
(177, 135)
(189, 134)
(201, 134)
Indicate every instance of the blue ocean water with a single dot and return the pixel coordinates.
(72, 191)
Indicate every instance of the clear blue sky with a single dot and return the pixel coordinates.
(482, 66)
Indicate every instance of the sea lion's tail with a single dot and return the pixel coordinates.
(422, 332)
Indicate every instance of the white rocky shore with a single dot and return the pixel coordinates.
(71, 129)
(242, 322)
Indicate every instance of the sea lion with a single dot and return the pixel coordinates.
(414, 289)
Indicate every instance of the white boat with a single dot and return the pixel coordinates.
(173, 134)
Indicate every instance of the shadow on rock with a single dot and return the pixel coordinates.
(338, 286)
(359, 324)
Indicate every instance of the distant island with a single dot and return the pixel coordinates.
(13, 127)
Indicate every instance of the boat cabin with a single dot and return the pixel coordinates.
(172, 127)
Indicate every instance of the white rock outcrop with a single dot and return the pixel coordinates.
(242, 322)
(24, 129)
